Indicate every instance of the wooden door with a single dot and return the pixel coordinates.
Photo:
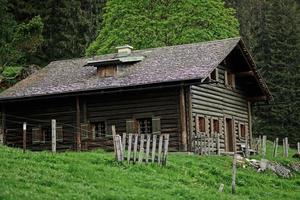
(230, 135)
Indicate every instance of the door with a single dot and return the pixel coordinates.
(230, 135)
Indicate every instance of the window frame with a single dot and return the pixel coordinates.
(93, 126)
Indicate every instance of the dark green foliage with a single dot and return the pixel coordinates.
(271, 30)
(69, 25)
(151, 23)
(18, 42)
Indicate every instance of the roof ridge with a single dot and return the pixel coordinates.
(151, 48)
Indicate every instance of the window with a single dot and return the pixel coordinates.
(107, 71)
(214, 75)
(201, 126)
(229, 79)
(98, 129)
(144, 125)
(59, 134)
(216, 126)
(84, 131)
(37, 136)
(243, 130)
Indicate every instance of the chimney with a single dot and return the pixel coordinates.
(124, 50)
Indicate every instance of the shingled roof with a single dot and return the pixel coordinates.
(160, 65)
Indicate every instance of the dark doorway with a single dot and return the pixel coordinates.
(230, 135)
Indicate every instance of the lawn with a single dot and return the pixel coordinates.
(95, 175)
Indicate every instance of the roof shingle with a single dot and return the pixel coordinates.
(165, 64)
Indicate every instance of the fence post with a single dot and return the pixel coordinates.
(119, 148)
(286, 147)
(275, 148)
(113, 131)
(53, 131)
(24, 136)
(264, 146)
(298, 147)
(246, 144)
(233, 189)
(218, 145)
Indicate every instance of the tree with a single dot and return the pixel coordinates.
(17, 43)
(271, 31)
(153, 23)
(70, 25)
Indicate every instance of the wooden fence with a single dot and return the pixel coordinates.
(138, 148)
(204, 144)
(261, 146)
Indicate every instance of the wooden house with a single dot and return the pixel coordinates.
(206, 87)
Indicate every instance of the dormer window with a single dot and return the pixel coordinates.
(107, 71)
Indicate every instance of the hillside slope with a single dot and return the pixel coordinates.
(95, 175)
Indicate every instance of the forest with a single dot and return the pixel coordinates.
(34, 33)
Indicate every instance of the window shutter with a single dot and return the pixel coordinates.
(217, 74)
(206, 125)
(233, 80)
(197, 124)
(212, 127)
(130, 126)
(59, 134)
(220, 125)
(226, 77)
(156, 125)
(93, 131)
(37, 136)
(84, 130)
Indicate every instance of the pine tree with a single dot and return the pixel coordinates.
(70, 25)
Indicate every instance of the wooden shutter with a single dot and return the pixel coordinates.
(130, 126)
(156, 125)
(84, 130)
(197, 124)
(206, 125)
(37, 136)
(59, 134)
(226, 77)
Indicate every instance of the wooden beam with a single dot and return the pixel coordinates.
(183, 119)
(3, 123)
(245, 74)
(84, 110)
(78, 128)
(258, 98)
(250, 123)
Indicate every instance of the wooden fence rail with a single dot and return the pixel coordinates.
(138, 148)
(204, 144)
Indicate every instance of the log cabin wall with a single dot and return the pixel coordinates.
(38, 114)
(216, 101)
(113, 109)
(117, 109)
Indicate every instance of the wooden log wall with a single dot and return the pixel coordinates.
(115, 109)
(38, 113)
(215, 100)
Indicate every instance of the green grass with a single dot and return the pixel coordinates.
(95, 175)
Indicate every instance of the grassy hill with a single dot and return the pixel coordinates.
(95, 175)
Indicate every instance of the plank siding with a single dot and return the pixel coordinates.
(39, 113)
(115, 109)
(216, 100)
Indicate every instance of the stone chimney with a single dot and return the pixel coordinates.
(124, 51)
